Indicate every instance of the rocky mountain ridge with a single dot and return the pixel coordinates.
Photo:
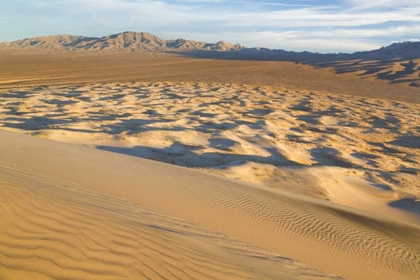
(121, 42)
(407, 50)
(146, 42)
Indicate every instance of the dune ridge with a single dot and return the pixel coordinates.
(358, 152)
(57, 230)
(395, 70)
(337, 239)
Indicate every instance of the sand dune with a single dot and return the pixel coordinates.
(353, 151)
(78, 212)
(396, 70)
(313, 184)
(77, 68)
(53, 229)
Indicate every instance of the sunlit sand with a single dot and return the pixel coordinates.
(327, 180)
(154, 166)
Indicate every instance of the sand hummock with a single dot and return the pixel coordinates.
(54, 228)
(359, 152)
(73, 211)
(244, 182)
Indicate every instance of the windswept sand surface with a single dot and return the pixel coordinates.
(72, 211)
(55, 229)
(359, 152)
(18, 70)
(396, 71)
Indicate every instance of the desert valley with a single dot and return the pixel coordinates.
(133, 157)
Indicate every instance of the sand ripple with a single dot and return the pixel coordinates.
(65, 203)
(61, 231)
(337, 148)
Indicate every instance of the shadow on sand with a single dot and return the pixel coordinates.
(401, 70)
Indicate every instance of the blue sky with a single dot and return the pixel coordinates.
(313, 25)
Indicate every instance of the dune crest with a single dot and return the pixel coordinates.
(54, 229)
(353, 151)
(353, 244)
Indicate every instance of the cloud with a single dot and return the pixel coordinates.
(313, 25)
(100, 21)
(377, 4)
(201, 1)
(275, 4)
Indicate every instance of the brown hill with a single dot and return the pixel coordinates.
(121, 42)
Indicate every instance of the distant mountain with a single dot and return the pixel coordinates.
(405, 50)
(121, 42)
(146, 42)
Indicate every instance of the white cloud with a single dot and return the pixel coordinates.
(355, 25)
(372, 4)
(279, 4)
(297, 17)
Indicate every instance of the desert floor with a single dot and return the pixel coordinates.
(208, 180)
(356, 78)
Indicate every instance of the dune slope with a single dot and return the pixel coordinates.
(358, 152)
(63, 204)
(58, 230)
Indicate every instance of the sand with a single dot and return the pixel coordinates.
(396, 70)
(357, 152)
(73, 211)
(20, 70)
(57, 229)
(204, 179)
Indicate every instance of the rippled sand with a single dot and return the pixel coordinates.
(354, 151)
(316, 178)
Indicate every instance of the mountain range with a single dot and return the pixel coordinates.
(146, 42)
(121, 42)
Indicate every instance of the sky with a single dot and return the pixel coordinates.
(312, 25)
